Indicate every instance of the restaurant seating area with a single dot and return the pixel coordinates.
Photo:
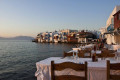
(87, 53)
(97, 64)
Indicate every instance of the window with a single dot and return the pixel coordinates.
(112, 20)
(119, 16)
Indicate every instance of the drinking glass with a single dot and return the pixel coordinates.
(92, 52)
(77, 58)
(117, 56)
(73, 55)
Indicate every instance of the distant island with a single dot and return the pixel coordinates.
(17, 38)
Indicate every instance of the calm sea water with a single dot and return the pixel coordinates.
(18, 58)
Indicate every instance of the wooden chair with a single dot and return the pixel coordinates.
(104, 49)
(113, 66)
(107, 53)
(112, 51)
(82, 53)
(65, 54)
(88, 50)
(64, 65)
(99, 55)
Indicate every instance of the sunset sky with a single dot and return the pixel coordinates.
(30, 17)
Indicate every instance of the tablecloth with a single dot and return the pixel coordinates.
(96, 70)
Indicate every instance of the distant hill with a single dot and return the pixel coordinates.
(18, 38)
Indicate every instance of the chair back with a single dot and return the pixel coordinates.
(65, 65)
(107, 53)
(80, 54)
(84, 53)
(99, 55)
(65, 54)
(88, 51)
(112, 66)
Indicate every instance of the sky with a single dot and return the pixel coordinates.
(30, 17)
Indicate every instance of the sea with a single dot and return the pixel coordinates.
(18, 57)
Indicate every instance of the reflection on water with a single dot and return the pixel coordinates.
(18, 58)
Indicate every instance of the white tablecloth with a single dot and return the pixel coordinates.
(83, 47)
(76, 49)
(96, 70)
(113, 47)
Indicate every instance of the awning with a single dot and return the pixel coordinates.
(109, 32)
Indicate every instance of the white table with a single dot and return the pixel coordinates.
(74, 51)
(83, 47)
(76, 48)
(113, 47)
(96, 70)
(89, 46)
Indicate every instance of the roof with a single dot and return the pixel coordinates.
(116, 13)
(109, 32)
(86, 34)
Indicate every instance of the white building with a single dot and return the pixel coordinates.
(51, 36)
(102, 31)
(109, 29)
(57, 36)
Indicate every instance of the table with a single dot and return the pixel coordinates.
(96, 70)
(83, 47)
(92, 51)
(113, 47)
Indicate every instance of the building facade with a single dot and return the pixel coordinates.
(110, 34)
(117, 27)
(70, 36)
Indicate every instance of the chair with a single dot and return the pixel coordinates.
(99, 55)
(112, 66)
(65, 54)
(88, 50)
(107, 53)
(65, 65)
(104, 49)
(84, 53)
(112, 51)
(80, 54)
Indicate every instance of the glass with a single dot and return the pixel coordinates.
(76, 58)
(92, 52)
(73, 54)
(103, 58)
(117, 56)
